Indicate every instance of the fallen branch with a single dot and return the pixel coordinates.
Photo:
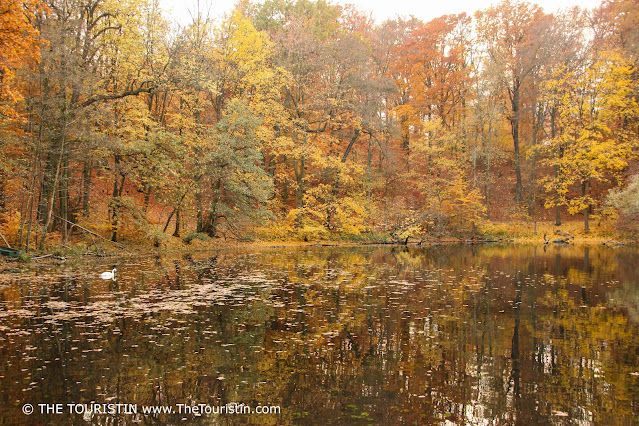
(5, 241)
(613, 243)
(41, 257)
(564, 234)
(119, 245)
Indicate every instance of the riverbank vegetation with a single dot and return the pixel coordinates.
(304, 120)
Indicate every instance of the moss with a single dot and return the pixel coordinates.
(195, 236)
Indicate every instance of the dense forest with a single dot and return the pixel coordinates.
(307, 120)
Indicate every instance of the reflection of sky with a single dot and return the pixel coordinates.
(182, 10)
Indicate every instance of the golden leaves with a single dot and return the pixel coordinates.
(19, 47)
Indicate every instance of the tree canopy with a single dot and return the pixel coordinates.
(304, 119)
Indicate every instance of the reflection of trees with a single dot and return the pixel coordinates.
(367, 335)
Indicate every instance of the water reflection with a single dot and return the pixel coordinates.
(479, 335)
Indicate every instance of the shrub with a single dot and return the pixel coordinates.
(627, 202)
(195, 236)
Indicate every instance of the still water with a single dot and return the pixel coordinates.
(331, 335)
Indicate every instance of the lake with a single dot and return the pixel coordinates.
(452, 334)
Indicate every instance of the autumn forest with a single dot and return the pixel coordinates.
(305, 120)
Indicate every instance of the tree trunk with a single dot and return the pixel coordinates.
(177, 223)
(475, 158)
(86, 187)
(487, 171)
(299, 179)
(169, 220)
(284, 195)
(117, 192)
(514, 122)
(405, 129)
(214, 215)
(36, 175)
(199, 224)
(64, 197)
(3, 179)
(584, 191)
(47, 183)
(553, 131)
(147, 198)
(54, 185)
(538, 119)
(369, 181)
(350, 145)
(271, 167)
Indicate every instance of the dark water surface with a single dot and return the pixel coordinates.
(333, 335)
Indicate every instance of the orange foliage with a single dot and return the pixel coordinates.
(19, 46)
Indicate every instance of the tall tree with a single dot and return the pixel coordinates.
(94, 56)
(514, 33)
(19, 48)
(438, 74)
(568, 53)
(594, 109)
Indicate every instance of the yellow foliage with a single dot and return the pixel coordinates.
(96, 223)
(351, 216)
(10, 226)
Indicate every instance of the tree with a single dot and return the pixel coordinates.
(94, 57)
(592, 114)
(323, 101)
(446, 202)
(484, 121)
(438, 72)
(626, 200)
(241, 186)
(568, 53)
(515, 37)
(616, 26)
(19, 46)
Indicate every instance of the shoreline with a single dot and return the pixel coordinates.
(74, 253)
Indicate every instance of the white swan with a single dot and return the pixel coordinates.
(108, 275)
